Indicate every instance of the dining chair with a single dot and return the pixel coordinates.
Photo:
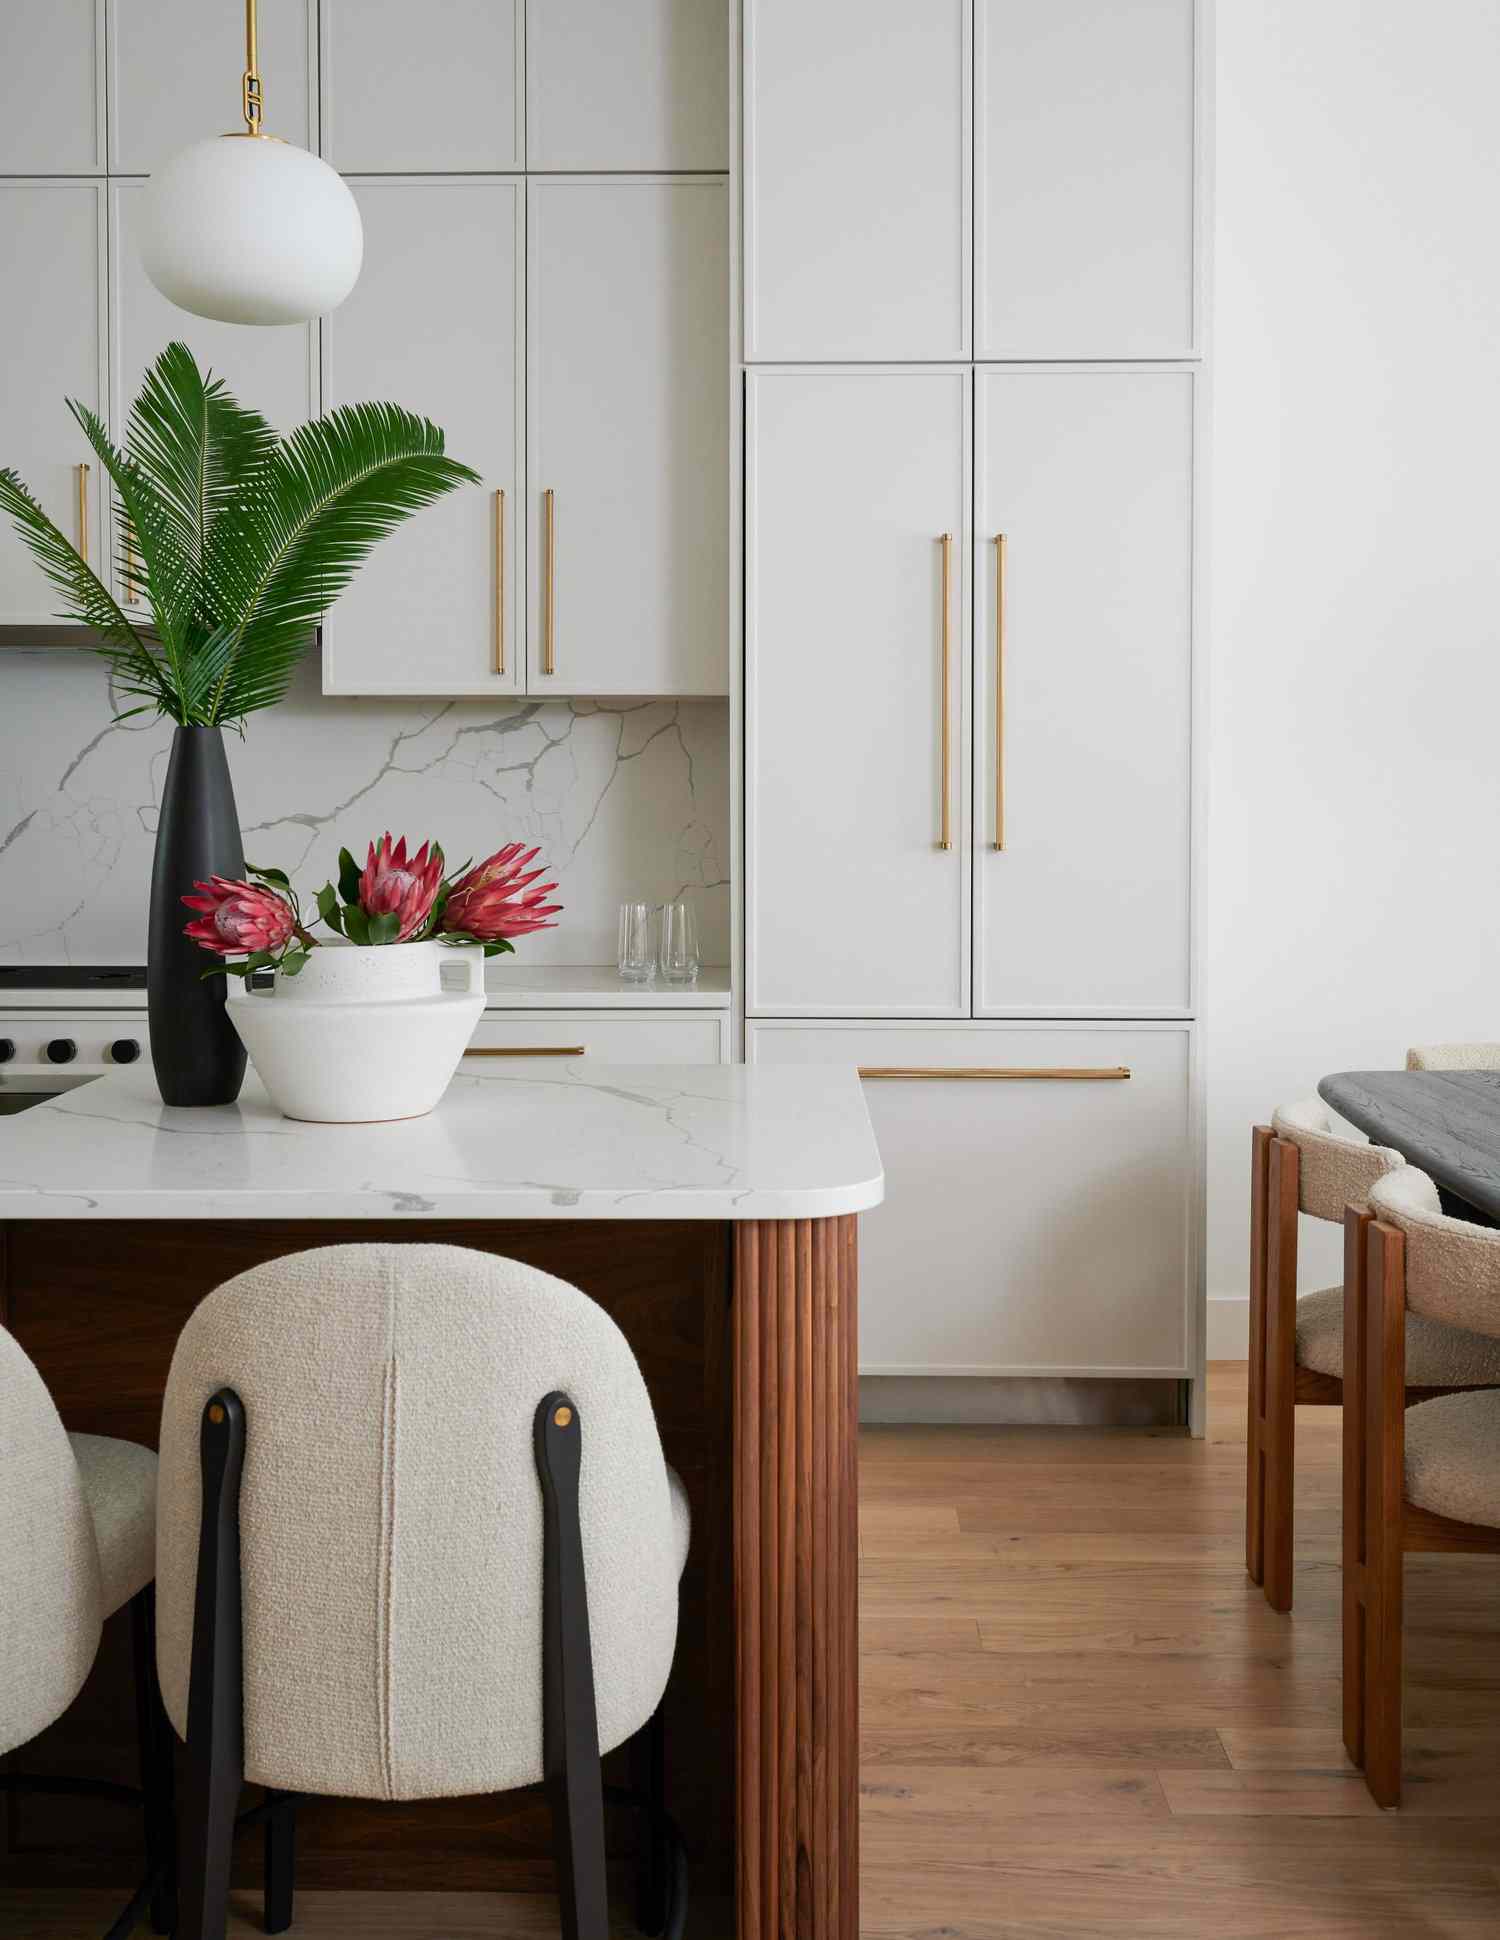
(418, 1539)
(1453, 1057)
(77, 1543)
(1301, 1164)
(1416, 1478)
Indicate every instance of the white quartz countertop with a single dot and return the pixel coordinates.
(572, 1142)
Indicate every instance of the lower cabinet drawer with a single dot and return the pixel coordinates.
(1038, 1206)
(698, 1037)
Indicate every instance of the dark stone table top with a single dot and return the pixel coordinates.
(1446, 1122)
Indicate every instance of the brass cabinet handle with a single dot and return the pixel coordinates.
(1070, 1073)
(499, 582)
(132, 582)
(83, 512)
(527, 1051)
(549, 581)
(999, 690)
(945, 834)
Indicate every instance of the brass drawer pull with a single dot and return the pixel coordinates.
(999, 690)
(499, 582)
(945, 830)
(132, 566)
(527, 1051)
(1072, 1073)
(549, 581)
(83, 512)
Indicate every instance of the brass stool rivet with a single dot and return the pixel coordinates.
(562, 1417)
(216, 1413)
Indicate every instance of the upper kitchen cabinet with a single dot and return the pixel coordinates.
(435, 324)
(627, 84)
(413, 90)
(52, 242)
(52, 88)
(628, 435)
(1084, 178)
(1084, 755)
(856, 669)
(174, 75)
(857, 180)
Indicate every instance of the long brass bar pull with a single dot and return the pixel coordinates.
(527, 1051)
(499, 582)
(1067, 1073)
(945, 834)
(999, 690)
(132, 578)
(549, 581)
(83, 512)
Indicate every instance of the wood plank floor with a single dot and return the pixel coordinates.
(1080, 1719)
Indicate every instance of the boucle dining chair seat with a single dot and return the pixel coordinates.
(119, 1485)
(1453, 1057)
(1453, 1456)
(1436, 1356)
(390, 1520)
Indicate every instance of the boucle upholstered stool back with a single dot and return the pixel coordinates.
(50, 1607)
(1453, 1057)
(1452, 1265)
(391, 1521)
(1332, 1171)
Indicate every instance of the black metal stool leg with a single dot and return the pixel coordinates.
(155, 1746)
(648, 1776)
(281, 1860)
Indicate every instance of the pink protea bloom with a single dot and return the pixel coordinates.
(239, 918)
(494, 901)
(392, 886)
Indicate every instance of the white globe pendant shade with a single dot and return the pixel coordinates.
(246, 229)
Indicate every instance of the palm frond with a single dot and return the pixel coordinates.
(87, 599)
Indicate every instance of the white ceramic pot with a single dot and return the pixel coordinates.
(364, 1034)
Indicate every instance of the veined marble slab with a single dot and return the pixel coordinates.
(571, 1142)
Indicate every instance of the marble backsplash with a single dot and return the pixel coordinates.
(627, 798)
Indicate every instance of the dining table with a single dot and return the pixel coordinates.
(1446, 1122)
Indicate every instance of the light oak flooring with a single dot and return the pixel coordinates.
(1080, 1718)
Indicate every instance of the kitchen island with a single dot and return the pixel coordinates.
(712, 1211)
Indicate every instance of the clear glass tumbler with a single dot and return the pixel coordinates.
(637, 959)
(680, 961)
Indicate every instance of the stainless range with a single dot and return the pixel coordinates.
(61, 1026)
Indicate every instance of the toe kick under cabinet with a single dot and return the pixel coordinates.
(1038, 1216)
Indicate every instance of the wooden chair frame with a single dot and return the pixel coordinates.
(1380, 1525)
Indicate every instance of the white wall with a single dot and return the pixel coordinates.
(1353, 859)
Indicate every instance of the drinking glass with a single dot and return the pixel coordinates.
(637, 942)
(680, 961)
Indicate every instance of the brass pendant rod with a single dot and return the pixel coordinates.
(252, 100)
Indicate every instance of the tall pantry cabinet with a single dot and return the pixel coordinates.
(973, 411)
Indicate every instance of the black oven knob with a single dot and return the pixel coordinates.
(124, 1050)
(61, 1050)
(7, 1049)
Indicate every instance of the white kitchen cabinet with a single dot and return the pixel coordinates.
(52, 242)
(52, 87)
(1088, 474)
(627, 84)
(627, 436)
(435, 323)
(434, 89)
(1085, 148)
(856, 738)
(175, 68)
(857, 180)
(1036, 1223)
(602, 1037)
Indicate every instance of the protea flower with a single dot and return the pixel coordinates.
(489, 903)
(239, 918)
(392, 886)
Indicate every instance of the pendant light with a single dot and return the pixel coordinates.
(245, 228)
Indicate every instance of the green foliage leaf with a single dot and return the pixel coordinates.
(501, 947)
(349, 875)
(385, 927)
(278, 878)
(356, 924)
(292, 962)
(328, 908)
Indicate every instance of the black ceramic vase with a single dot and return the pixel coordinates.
(198, 1056)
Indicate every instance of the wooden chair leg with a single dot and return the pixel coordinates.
(280, 1867)
(1356, 1221)
(1279, 1440)
(570, 1730)
(1385, 1486)
(154, 1741)
(1255, 1460)
(216, 1724)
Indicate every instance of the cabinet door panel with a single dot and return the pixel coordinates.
(174, 75)
(1084, 174)
(53, 245)
(52, 88)
(851, 479)
(1030, 1225)
(434, 324)
(431, 90)
(857, 179)
(627, 84)
(1089, 476)
(628, 428)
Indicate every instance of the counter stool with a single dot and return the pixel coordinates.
(1453, 1057)
(77, 1543)
(1415, 1478)
(418, 1539)
(1299, 1163)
